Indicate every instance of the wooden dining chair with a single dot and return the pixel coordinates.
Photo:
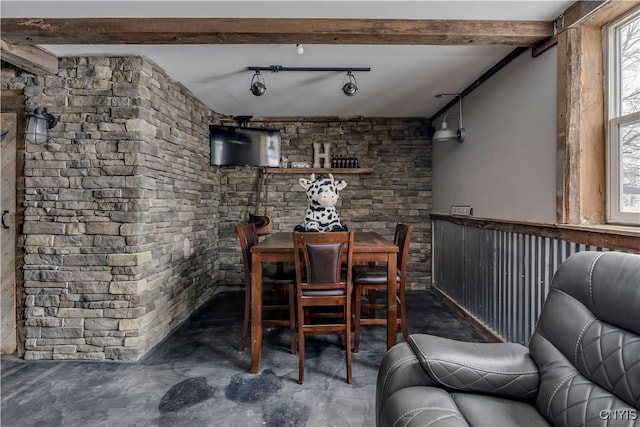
(368, 280)
(321, 282)
(274, 280)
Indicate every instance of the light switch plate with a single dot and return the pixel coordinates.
(461, 210)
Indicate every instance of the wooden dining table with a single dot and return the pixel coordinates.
(278, 247)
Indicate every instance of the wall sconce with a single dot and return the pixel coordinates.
(445, 133)
(349, 87)
(38, 124)
(258, 88)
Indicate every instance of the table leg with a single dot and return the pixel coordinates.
(392, 307)
(256, 311)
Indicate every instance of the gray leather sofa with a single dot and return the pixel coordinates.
(582, 366)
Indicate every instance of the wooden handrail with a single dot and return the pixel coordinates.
(626, 239)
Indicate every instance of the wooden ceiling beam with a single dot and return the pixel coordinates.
(273, 31)
(30, 58)
(596, 13)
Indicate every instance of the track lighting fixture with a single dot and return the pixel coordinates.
(258, 88)
(350, 86)
(445, 133)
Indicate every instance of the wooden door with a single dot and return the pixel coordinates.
(8, 129)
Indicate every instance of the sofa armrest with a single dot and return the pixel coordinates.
(400, 368)
(504, 369)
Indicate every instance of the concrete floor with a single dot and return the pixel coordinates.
(197, 377)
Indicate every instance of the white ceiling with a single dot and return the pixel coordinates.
(402, 82)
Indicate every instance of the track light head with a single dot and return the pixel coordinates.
(350, 86)
(258, 88)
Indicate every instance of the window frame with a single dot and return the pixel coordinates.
(615, 120)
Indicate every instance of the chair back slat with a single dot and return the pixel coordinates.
(402, 239)
(248, 237)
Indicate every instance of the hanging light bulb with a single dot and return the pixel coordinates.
(258, 88)
(350, 86)
(299, 49)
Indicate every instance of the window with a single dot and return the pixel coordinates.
(623, 139)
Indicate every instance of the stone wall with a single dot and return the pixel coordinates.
(120, 231)
(398, 190)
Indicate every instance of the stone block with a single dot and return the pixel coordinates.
(38, 355)
(32, 332)
(89, 276)
(37, 259)
(46, 300)
(45, 322)
(38, 240)
(129, 259)
(47, 182)
(101, 324)
(101, 72)
(82, 287)
(107, 194)
(144, 182)
(64, 349)
(124, 313)
(126, 112)
(38, 284)
(103, 182)
(61, 333)
(128, 288)
(137, 229)
(80, 312)
(41, 227)
(108, 242)
(85, 260)
(123, 353)
(74, 228)
(105, 341)
(119, 216)
(140, 125)
(130, 324)
(89, 101)
(47, 275)
(73, 322)
(119, 170)
(108, 228)
(133, 342)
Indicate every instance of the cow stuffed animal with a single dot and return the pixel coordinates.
(322, 195)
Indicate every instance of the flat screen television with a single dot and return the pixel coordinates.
(243, 146)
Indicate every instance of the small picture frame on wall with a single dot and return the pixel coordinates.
(461, 210)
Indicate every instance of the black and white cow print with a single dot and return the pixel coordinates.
(322, 195)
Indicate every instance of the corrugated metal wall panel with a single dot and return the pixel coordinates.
(500, 277)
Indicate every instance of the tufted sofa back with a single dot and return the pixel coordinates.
(587, 342)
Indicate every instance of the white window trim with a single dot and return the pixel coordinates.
(614, 214)
(614, 121)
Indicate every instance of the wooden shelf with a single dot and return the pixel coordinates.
(318, 170)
